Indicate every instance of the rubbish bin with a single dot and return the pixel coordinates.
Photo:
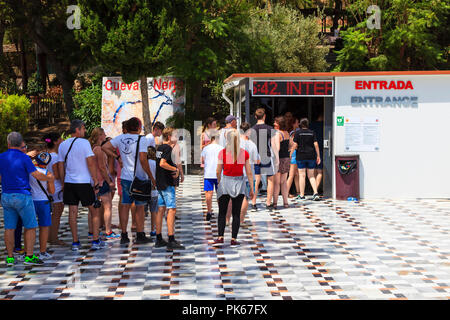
(347, 176)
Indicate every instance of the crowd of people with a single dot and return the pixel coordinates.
(145, 171)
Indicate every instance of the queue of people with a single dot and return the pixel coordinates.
(37, 185)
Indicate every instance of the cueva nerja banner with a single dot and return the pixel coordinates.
(121, 101)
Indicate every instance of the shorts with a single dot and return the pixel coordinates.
(76, 192)
(17, 205)
(284, 165)
(294, 157)
(306, 164)
(267, 169)
(166, 198)
(152, 204)
(43, 212)
(126, 197)
(58, 196)
(210, 184)
(104, 189)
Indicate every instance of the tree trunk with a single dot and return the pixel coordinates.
(145, 106)
(23, 63)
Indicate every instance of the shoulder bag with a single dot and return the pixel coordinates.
(140, 190)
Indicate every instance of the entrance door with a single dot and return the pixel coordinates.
(327, 148)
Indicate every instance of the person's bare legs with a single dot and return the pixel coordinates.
(140, 218)
(244, 208)
(123, 216)
(29, 240)
(159, 219)
(9, 242)
(312, 179)
(284, 189)
(302, 181)
(153, 220)
(257, 181)
(270, 187)
(318, 173)
(133, 216)
(292, 175)
(73, 214)
(208, 197)
(90, 221)
(171, 222)
(297, 180)
(276, 188)
(95, 222)
(57, 211)
(43, 238)
(120, 210)
(107, 211)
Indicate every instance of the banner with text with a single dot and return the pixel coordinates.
(121, 101)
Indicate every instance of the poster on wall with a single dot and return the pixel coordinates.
(121, 101)
(362, 134)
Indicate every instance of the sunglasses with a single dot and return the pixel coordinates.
(24, 147)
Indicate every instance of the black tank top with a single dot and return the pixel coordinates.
(284, 148)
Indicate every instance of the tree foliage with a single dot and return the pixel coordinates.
(413, 36)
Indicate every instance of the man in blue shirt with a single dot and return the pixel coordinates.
(15, 168)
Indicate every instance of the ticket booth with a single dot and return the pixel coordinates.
(383, 117)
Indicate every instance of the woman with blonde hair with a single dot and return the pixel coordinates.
(106, 182)
(230, 177)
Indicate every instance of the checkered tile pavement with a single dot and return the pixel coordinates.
(394, 249)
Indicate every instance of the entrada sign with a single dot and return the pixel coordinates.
(381, 101)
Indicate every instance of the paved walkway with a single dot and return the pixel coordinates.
(313, 250)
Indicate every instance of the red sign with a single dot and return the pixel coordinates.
(383, 85)
(292, 88)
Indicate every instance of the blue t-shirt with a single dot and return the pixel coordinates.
(15, 169)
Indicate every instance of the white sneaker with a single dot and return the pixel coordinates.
(45, 256)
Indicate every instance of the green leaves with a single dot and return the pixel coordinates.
(413, 36)
(13, 116)
(88, 104)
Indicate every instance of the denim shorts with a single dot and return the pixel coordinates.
(166, 198)
(306, 164)
(126, 198)
(104, 189)
(17, 205)
(43, 212)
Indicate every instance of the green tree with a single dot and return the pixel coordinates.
(136, 38)
(45, 23)
(413, 36)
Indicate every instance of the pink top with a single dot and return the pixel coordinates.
(99, 173)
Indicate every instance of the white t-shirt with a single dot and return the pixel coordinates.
(36, 192)
(152, 163)
(54, 160)
(77, 170)
(223, 136)
(151, 140)
(127, 144)
(211, 155)
(252, 150)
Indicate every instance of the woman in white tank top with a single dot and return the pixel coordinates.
(52, 141)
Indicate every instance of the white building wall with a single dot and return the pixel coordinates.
(414, 156)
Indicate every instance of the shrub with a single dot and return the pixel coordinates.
(14, 116)
(88, 107)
